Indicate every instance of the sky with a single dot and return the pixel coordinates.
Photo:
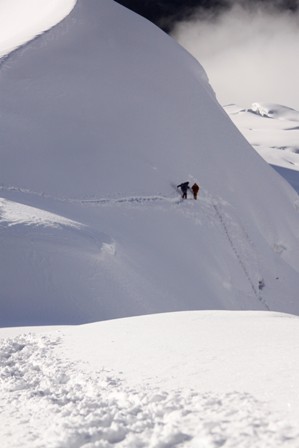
(249, 55)
(247, 48)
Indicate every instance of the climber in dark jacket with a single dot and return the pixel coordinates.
(184, 188)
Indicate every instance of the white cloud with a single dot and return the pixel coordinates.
(248, 55)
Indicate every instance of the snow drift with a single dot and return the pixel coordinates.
(100, 118)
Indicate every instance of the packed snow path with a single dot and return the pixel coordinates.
(50, 401)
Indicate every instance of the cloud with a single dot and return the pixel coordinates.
(250, 53)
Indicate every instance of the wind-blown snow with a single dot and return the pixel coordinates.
(21, 21)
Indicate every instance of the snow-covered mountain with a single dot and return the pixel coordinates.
(101, 117)
(273, 130)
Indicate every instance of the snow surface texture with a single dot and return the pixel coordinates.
(21, 21)
(101, 118)
(133, 390)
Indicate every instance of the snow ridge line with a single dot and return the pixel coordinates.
(239, 258)
(5, 59)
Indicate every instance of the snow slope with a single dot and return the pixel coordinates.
(100, 118)
(21, 21)
(180, 379)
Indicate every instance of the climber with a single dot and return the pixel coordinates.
(195, 190)
(184, 188)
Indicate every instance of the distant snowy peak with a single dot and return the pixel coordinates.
(274, 111)
(273, 130)
(21, 21)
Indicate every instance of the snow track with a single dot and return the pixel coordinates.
(58, 403)
(240, 258)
